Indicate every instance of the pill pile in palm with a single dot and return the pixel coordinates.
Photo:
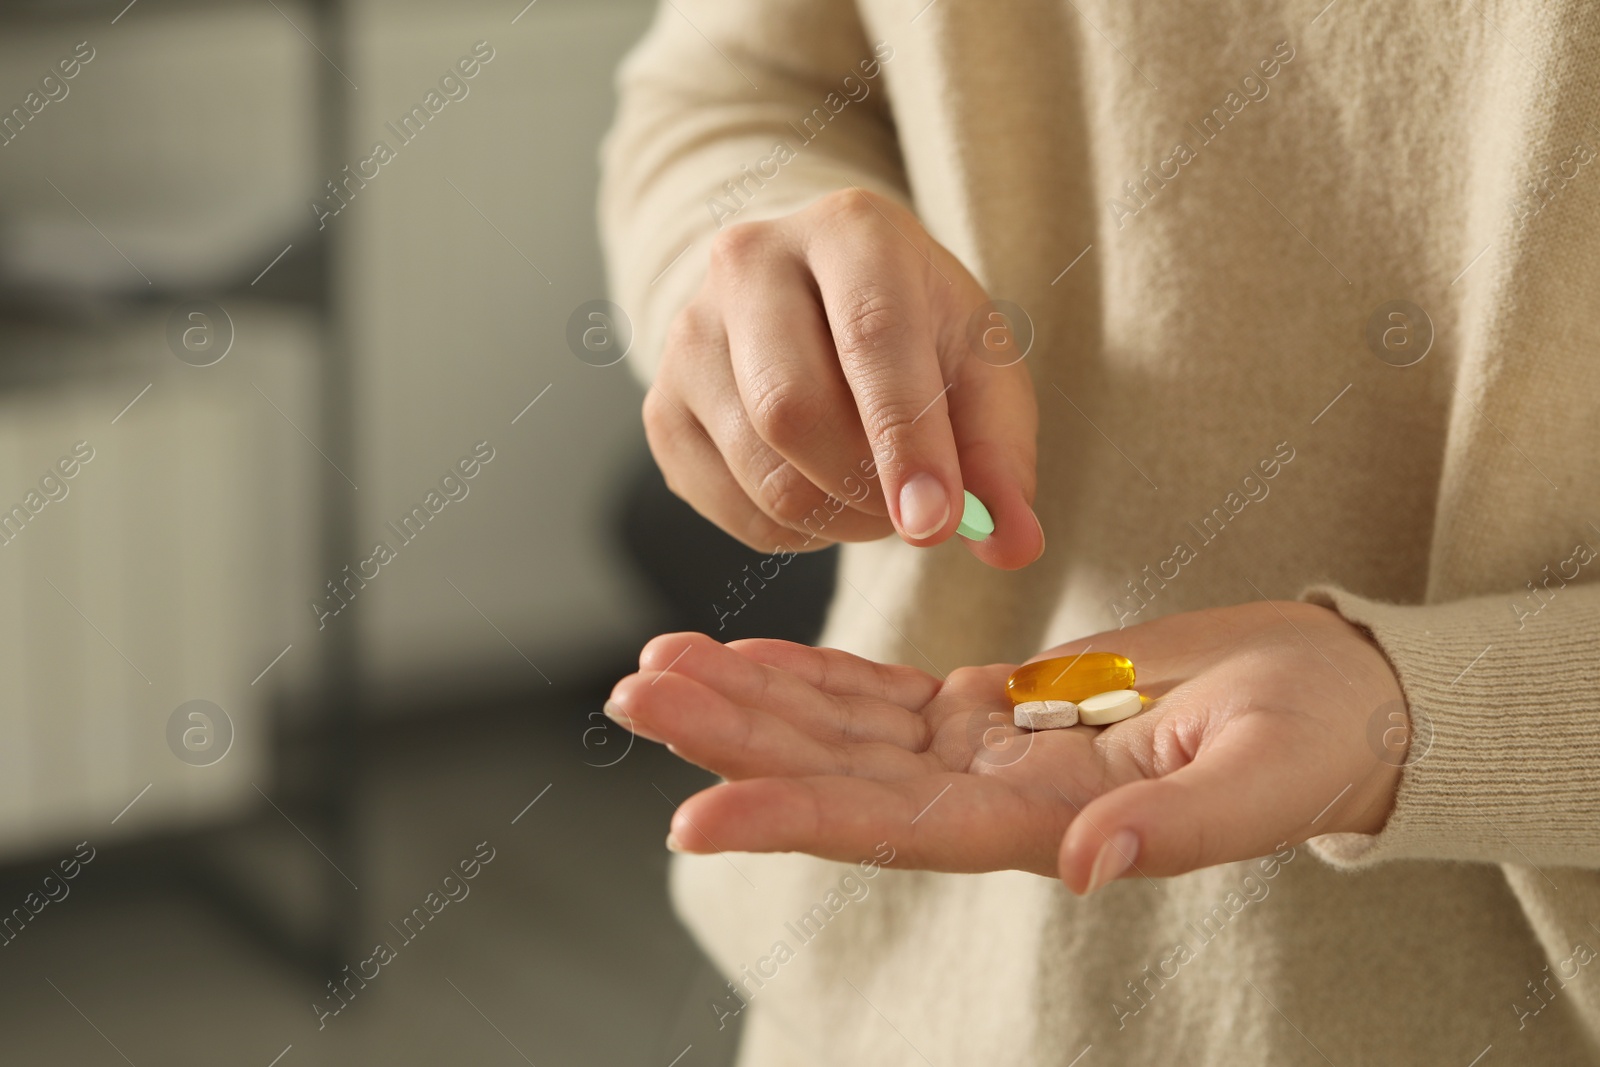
(1095, 689)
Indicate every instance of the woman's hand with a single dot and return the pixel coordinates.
(829, 354)
(1260, 733)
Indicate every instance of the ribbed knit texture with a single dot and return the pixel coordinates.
(1506, 727)
(1186, 327)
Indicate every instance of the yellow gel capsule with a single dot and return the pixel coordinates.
(1073, 678)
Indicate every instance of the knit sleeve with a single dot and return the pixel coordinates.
(1504, 695)
(729, 113)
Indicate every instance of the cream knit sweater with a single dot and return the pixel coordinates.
(1201, 206)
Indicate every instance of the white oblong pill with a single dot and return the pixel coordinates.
(1045, 714)
(1102, 709)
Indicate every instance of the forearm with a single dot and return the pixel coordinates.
(727, 114)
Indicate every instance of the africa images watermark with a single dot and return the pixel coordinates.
(856, 490)
(53, 488)
(1253, 889)
(1540, 995)
(54, 890)
(199, 732)
(454, 889)
(451, 488)
(1253, 87)
(1541, 192)
(1540, 596)
(737, 193)
(851, 888)
(1252, 489)
(53, 89)
(453, 87)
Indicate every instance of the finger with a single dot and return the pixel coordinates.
(704, 378)
(778, 488)
(875, 280)
(839, 719)
(841, 673)
(944, 822)
(707, 729)
(787, 373)
(1234, 802)
(994, 417)
(694, 470)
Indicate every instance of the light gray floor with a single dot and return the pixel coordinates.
(564, 953)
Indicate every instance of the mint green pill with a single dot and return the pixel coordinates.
(976, 522)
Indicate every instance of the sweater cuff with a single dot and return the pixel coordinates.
(1504, 763)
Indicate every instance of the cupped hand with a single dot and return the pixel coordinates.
(823, 385)
(1259, 733)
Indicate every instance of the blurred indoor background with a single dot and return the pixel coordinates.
(240, 744)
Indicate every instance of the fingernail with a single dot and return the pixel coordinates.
(1115, 858)
(1039, 524)
(615, 713)
(672, 844)
(924, 507)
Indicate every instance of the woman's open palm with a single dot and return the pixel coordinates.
(1257, 731)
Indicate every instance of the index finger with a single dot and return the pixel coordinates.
(939, 419)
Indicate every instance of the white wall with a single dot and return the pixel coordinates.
(185, 139)
(164, 574)
(159, 574)
(189, 140)
(457, 332)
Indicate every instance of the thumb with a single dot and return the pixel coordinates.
(1228, 805)
(995, 420)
